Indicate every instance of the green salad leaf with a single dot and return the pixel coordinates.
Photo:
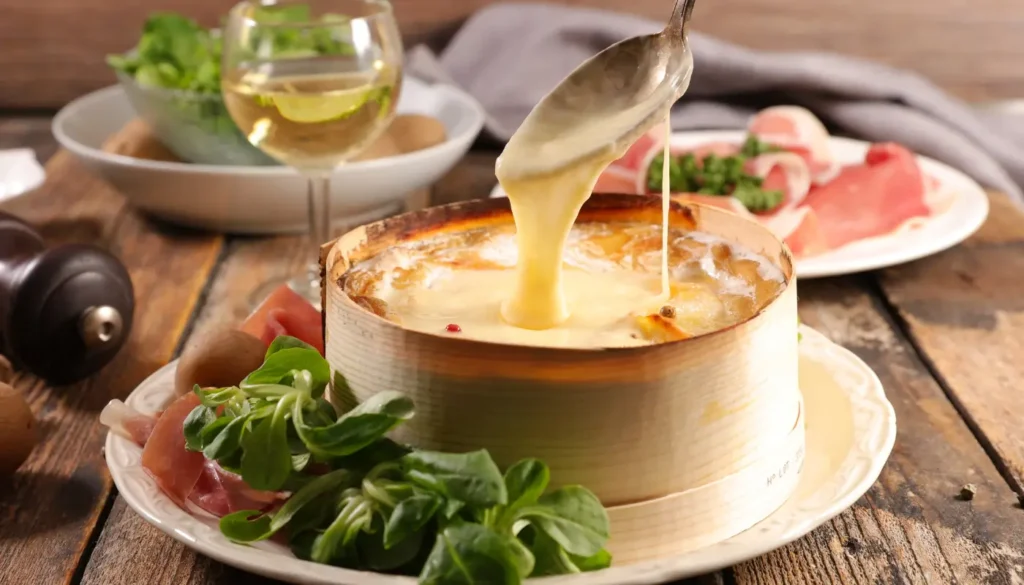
(573, 517)
(176, 53)
(470, 554)
(470, 478)
(358, 499)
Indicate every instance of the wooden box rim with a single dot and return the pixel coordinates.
(460, 215)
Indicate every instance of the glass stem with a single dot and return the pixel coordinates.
(319, 221)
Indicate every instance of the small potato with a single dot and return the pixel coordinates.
(383, 147)
(136, 140)
(412, 132)
(17, 430)
(219, 359)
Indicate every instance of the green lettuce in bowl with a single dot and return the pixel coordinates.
(172, 79)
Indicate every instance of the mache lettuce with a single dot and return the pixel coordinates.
(362, 501)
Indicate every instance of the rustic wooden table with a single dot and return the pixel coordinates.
(944, 334)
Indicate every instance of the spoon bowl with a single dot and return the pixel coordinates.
(607, 102)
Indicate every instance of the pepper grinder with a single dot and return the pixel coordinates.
(65, 311)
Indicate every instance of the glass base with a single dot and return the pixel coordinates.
(307, 288)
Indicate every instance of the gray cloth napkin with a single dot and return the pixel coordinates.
(509, 55)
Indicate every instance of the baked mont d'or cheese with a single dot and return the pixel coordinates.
(455, 283)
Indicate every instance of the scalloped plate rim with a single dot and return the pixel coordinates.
(873, 444)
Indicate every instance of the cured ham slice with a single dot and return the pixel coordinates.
(617, 180)
(128, 422)
(175, 469)
(792, 127)
(220, 492)
(284, 312)
(181, 474)
(870, 199)
(187, 476)
(800, 229)
(628, 174)
(798, 131)
(782, 171)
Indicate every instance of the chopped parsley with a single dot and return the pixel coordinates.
(719, 175)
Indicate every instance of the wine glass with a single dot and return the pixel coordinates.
(312, 83)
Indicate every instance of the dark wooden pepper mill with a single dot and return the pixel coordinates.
(65, 311)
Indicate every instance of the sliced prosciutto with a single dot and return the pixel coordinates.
(799, 229)
(128, 422)
(187, 476)
(785, 172)
(181, 474)
(870, 199)
(284, 312)
(174, 468)
(221, 492)
(797, 130)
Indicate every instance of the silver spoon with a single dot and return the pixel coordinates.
(606, 103)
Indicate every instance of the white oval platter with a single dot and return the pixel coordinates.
(851, 428)
(268, 199)
(963, 203)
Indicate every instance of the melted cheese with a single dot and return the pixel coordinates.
(609, 277)
(544, 209)
(545, 205)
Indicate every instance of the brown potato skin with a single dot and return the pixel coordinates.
(219, 359)
(18, 434)
(412, 132)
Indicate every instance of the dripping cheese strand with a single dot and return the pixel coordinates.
(666, 293)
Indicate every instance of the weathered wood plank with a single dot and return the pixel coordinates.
(910, 527)
(49, 509)
(964, 308)
(975, 53)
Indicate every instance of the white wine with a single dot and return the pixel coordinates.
(310, 120)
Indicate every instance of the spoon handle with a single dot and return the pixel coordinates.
(681, 12)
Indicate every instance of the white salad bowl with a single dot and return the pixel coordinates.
(266, 199)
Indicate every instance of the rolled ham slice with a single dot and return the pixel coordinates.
(782, 171)
(798, 131)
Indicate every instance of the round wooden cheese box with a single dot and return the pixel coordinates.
(686, 442)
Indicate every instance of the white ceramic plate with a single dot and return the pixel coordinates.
(964, 204)
(20, 172)
(851, 428)
(241, 199)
